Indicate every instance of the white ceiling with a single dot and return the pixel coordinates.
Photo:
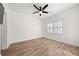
(28, 9)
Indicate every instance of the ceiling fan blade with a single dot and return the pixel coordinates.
(36, 7)
(36, 12)
(45, 7)
(44, 11)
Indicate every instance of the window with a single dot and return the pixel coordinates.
(50, 28)
(55, 27)
(60, 27)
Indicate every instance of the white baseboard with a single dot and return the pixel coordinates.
(70, 43)
(30, 38)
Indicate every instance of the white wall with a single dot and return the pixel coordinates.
(4, 32)
(19, 27)
(70, 20)
(22, 27)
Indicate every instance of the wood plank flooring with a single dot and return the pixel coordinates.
(40, 47)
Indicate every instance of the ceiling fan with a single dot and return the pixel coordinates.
(40, 9)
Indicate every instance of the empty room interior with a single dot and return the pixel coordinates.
(39, 29)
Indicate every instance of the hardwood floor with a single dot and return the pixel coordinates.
(40, 47)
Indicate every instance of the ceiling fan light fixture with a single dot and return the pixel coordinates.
(40, 12)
